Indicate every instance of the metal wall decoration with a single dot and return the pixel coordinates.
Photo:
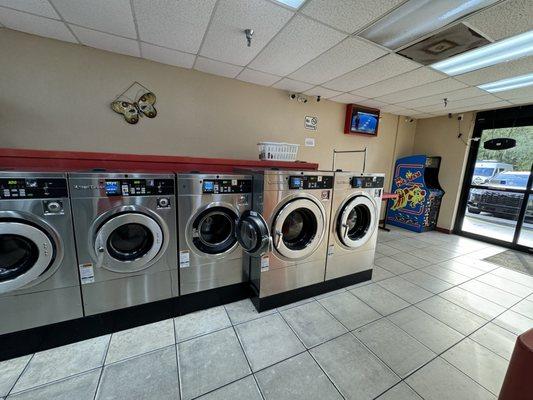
(134, 102)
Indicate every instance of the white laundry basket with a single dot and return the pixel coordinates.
(278, 151)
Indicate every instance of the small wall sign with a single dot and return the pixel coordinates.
(309, 142)
(311, 123)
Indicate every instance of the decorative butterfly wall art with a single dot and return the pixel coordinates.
(133, 109)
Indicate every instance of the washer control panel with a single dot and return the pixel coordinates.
(310, 182)
(367, 182)
(226, 186)
(33, 188)
(139, 187)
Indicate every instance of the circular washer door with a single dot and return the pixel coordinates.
(128, 242)
(252, 233)
(213, 230)
(26, 252)
(298, 228)
(356, 221)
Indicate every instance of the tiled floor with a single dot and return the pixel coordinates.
(435, 323)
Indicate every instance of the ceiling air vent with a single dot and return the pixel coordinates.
(445, 44)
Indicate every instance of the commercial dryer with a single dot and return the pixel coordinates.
(354, 224)
(39, 282)
(125, 225)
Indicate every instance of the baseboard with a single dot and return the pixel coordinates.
(444, 230)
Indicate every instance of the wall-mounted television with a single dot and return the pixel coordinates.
(361, 120)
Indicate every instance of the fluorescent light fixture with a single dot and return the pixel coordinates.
(291, 3)
(508, 84)
(417, 18)
(494, 53)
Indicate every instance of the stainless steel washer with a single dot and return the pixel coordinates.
(39, 282)
(125, 225)
(354, 225)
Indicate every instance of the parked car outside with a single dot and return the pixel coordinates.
(485, 170)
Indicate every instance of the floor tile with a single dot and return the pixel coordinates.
(471, 272)
(139, 340)
(452, 315)
(313, 324)
(349, 310)
(378, 274)
(472, 302)
(392, 265)
(479, 363)
(295, 304)
(11, 370)
(400, 392)
(330, 293)
(413, 261)
(427, 281)
(209, 362)
(428, 330)
(408, 243)
(149, 376)
(268, 340)
(356, 372)
(400, 351)
(380, 299)
(79, 387)
(244, 389)
(514, 276)
(62, 362)
(506, 285)
(497, 339)
(296, 378)
(525, 307)
(514, 322)
(201, 322)
(446, 275)
(405, 289)
(244, 310)
(472, 261)
(386, 250)
(433, 254)
(491, 293)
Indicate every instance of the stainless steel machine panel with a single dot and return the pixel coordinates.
(354, 224)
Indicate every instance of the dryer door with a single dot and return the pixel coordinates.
(26, 252)
(298, 228)
(128, 242)
(356, 221)
(253, 234)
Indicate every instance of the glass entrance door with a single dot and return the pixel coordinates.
(496, 205)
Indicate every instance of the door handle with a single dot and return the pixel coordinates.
(279, 236)
(345, 226)
(270, 244)
(100, 256)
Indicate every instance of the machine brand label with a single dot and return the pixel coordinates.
(265, 263)
(86, 273)
(330, 249)
(325, 195)
(185, 259)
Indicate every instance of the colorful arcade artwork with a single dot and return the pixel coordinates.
(419, 193)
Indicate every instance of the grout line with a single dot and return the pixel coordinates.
(20, 375)
(102, 367)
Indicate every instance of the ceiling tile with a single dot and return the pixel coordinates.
(178, 25)
(428, 89)
(408, 80)
(506, 19)
(458, 104)
(217, 67)
(36, 25)
(225, 39)
(422, 116)
(39, 7)
(338, 61)
(515, 93)
(522, 100)
(322, 92)
(167, 56)
(292, 85)
(479, 107)
(107, 42)
(392, 109)
(373, 103)
(299, 42)
(438, 98)
(348, 98)
(258, 77)
(499, 71)
(103, 15)
(348, 15)
(375, 71)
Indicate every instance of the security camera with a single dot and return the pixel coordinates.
(302, 98)
(292, 96)
(318, 99)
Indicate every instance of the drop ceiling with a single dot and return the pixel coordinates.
(315, 50)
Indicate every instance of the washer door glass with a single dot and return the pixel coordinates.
(299, 228)
(128, 242)
(356, 221)
(26, 252)
(213, 230)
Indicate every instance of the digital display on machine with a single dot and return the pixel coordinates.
(216, 186)
(112, 188)
(34, 188)
(311, 182)
(139, 187)
(367, 182)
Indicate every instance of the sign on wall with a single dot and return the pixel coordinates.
(311, 123)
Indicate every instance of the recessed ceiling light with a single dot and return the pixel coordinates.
(508, 84)
(291, 3)
(495, 53)
(417, 18)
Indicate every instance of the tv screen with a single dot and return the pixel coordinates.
(364, 122)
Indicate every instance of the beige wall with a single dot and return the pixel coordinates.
(56, 95)
(438, 137)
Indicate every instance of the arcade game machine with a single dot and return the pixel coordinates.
(416, 182)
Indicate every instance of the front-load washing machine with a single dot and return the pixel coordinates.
(296, 206)
(354, 223)
(125, 226)
(39, 282)
(212, 206)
